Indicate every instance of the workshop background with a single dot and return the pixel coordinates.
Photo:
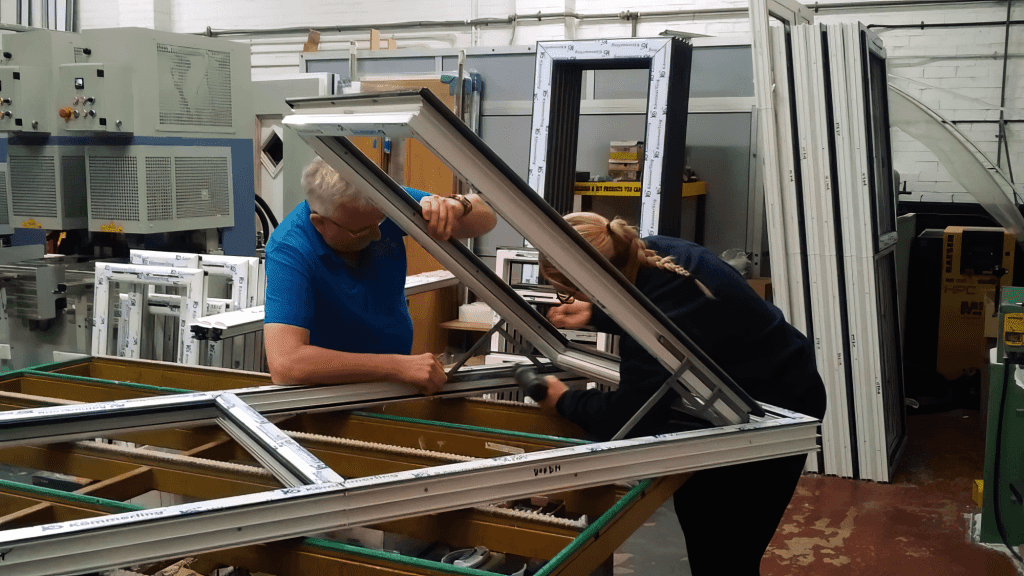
(952, 55)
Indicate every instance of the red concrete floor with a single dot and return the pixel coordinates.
(915, 525)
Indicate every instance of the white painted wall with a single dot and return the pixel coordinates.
(946, 64)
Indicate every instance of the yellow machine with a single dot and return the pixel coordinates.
(975, 259)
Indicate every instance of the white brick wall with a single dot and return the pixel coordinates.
(960, 68)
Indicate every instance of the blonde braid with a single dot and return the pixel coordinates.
(620, 243)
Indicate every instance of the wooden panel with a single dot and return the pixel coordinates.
(166, 374)
(424, 171)
(469, 528)
(415, 435)
(418, 259)
(72, 390)
(488, 415)
(428, 310)
(47, 514)
(292, 559)
(372, 147)
(167, 476)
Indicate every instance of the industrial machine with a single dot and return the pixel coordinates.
(976, 261)
(129, 131)
(1002, 512)
(116, 139)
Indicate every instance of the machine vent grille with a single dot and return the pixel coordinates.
(201, 187)
(114, 188)
(159, 197)
(195, 86)
(33, 186)
(73, 181)
(5, 218)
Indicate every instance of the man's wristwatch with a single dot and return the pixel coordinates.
(467, 206)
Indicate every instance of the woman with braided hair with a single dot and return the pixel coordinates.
(728, 515)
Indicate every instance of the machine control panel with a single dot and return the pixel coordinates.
(20, 106)
(96, 98)
(1013, 333)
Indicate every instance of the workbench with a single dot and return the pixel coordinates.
(202, 463)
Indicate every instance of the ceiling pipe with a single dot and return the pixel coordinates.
(628, 16)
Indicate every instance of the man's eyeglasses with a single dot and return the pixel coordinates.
(354, 233)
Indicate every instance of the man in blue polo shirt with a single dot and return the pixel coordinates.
(336, 310)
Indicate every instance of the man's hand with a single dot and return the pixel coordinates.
(441, 215)
(555, 390)
(424, 371)
(572, 316)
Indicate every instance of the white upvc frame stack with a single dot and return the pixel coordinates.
(192, 281)
(247, 291)
(245, 354)
(854, 327)
(863, 252)
(819, 219)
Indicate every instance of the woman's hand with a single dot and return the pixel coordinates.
(572, 316)
(555, 390)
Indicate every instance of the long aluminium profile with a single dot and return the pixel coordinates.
(250, 320)
(850, 177)
(50, 424)
(508, 195)
(85, 421)
(290, 463)
(469, 381)
(828, 72)
(856, 189)
(87, 545)
(773, 199)
(789, 191)
(786, 108)
(869, 396)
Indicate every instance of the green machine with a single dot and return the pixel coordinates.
(1002, 512)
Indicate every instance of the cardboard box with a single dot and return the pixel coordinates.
(625, 170)
(763, 287)
(624, 165)
(624, 175)
(630, 150)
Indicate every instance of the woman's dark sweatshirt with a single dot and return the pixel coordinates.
(745, 335)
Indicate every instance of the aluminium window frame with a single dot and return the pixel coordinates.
(316, 499)
(325, 123)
